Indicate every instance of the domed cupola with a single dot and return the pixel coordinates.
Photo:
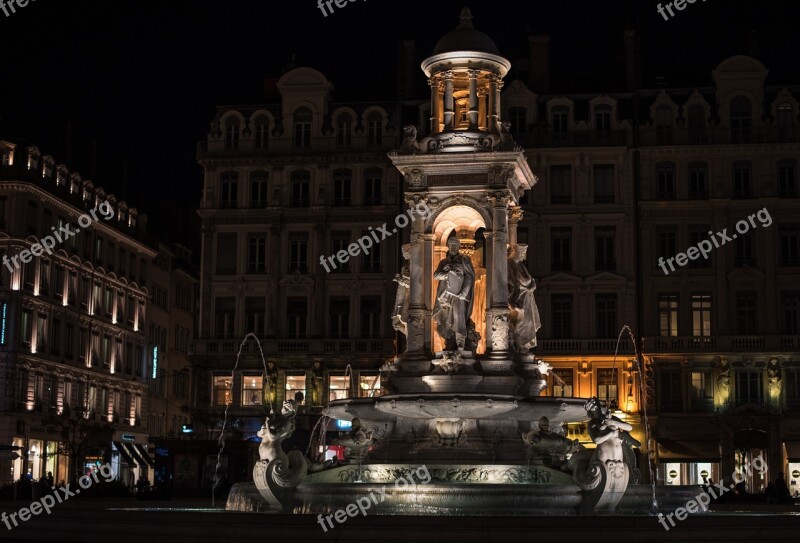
(465, 74)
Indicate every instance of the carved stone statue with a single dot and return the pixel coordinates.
(272, 384)
(409, 143)
(454, 298)
(521, 286)
(775, 383)
(403, 280)
(317, 383)
(552, 447)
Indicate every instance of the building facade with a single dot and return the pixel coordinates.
(72, 336)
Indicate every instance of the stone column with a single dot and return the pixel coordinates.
(418, 338)
(514, 216)
(497, 269)
(449, 106)
(434, 119)
(473, 99)
(482, 123)
(493, 103)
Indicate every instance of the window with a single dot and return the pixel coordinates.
(298, 252)
(789, 240)
(371, 263)
(226, 253)
(742, 185)
(665, 242)
(785, 122)
(344, 130)
(698, 176)
(602, 121)
(3, 202)
(560, 122)
(664, 118)
(665, 175)
(793, 389)
(561, 249)
(338, 387)
(791, 313)
(295, 384)
(697, 233)
(701, 315)
(606, 315)
(301, 181)
(232, 134)
(787, 179)
(607, 384)
(41, 333)
(224, 315)
(669, 388)
(230, 190)
(296, 316)
(221, 395)
(254, 311)
(256, 253)
(370, 316)
(697, 124)
(252, 389)
(668, 315)
(372, 187)
(740, 120)
(369, 385)
(302, 128)
(260, 133)
(258, 189)
(743, 251)
(604, 259)
(341, 187)
(746, 316)
(339, 318)
(562, 382)
(702, 392)
(749, 387)
(69, 335)
(562, 316)
(519, 125)
(604, 184)
(560, 185)
(374, 129)
(55, 338)
(339, 242)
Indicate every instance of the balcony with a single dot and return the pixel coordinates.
(718, 344)
(582, 138)
(712, 136)
(380, 346)
(584, 346)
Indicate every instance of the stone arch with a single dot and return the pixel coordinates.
(448, 211)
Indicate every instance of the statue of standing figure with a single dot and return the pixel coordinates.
(403, 280)
(454, 298)
(521, 286)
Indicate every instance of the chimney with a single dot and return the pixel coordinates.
(407, 69)
(539, 72)
(633, 60)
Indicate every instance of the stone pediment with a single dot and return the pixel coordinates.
(606, 277)
(746, 273)
(297, 281)
(560, 279)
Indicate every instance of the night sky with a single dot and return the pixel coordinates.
(141, 79)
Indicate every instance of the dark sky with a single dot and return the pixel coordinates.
(142, 79)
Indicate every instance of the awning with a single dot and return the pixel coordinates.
(792, 451)
(135, 454)
(672, 450)
(125, 454)
(144, 454)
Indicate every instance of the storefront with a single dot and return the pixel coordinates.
(688, 462)
(131, 459)
(793, 467)
(38, 458)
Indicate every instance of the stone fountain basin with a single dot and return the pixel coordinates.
(465, 406)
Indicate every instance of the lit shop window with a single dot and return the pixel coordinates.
(369, 386)
(338, 388)
(295, 384)
(222, 391)
(251, 389)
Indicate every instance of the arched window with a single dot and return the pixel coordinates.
(664, 125)
(229, 190)
(342, 185)
(697, 124)
(258, 188)
(740, 120)
(301, 188)
(302, 127)
(518, 116)
(232, 133)
(602, 120)
(344, 130)
(375, 129)
(373, 190)
(785, 122)
(665, 181)
(560, 122)
(260, 132)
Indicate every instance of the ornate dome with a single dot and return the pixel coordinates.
(466, 38)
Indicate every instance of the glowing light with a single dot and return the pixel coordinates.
(155, 361)
(3, 325)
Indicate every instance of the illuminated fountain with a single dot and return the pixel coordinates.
(463, 400)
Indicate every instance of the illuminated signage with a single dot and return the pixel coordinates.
(3, 325)
(155, 361)
(128, 437)
(344, 425)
